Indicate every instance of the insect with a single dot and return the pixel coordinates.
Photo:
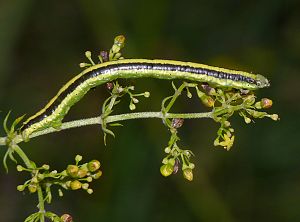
(53, 113)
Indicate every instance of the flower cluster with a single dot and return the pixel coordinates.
(74, 177)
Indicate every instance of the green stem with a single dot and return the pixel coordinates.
(110, 119)
(41, 203)
(23, 156)
(29, 165)
(175, 96)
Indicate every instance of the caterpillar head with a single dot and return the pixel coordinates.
(262, 81)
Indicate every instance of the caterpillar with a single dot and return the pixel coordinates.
(53, 113)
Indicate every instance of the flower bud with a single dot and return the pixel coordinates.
(120, 41)
(97, 175)
(60, 193)
(94, 165)
(209, 90)
(72, 170)
(66, 218)
(104, 56)
(34, 179)
(81, 173)
(83, 65)
(266, 103)
(207, 101)
(78, 158)
(146, 94)
(20, 187)
(90, 191)
(227, 124)
(32, 187)
(247, 119)
(188, 174)
(135, 100)
(176, 166)
(167, 150)
(191, 166)
(171, 162)
(132, 106)
(88, 54)
(89, 179)
(166, 170)
(75, 185)
(274, 117)
(177, 123)
(46, 167)
(85, 186)
(109, 86)
(165, 160)
(20, 168)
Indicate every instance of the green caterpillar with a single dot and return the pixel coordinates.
(53, 113)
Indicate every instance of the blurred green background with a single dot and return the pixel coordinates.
(41, 45)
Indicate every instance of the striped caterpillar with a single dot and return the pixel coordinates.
(53, 113)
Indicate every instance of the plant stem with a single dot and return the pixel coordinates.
(110, 119)
(29, 165)
(41, 204)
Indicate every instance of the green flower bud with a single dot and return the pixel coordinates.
(89, 179)
(60, 193)
(191, 166)
(66, 218)
(72, 170)
(34, 180)
(75, 185)
(120, 41)
(165, 160)
(207, 100)
(40, 177)
(81, 173)
(146, 94)
(97, 175)
(135, 100)
(167, 150)
(274, 117)
(94, 165)
(226, 123)
(88, 54)
(171, 161)
(78, 158)
(85, 186)
(166, 170)
(90, 191)
(132, 106)
(257, 105)
(68, 183)
(32, 187)
(188, 174)
(20, 187)
(247, 119)
(20, 168)
(83, 65)
(46, 167)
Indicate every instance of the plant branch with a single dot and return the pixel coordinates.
(110, 119)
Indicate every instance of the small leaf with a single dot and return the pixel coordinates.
(5, 161)
(5, 122)
(174, 87)
(16, 122)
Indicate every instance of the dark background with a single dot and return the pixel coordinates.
(41, 45)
